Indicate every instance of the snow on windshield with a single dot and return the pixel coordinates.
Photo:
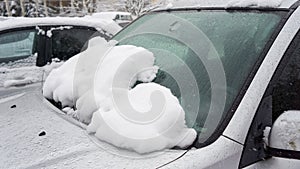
(100, 85)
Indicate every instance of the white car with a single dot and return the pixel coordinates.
(233, 65)
(56, 37)
(122, 18)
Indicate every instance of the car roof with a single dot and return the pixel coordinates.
(109, 15)
(100, 24)
(278, 4)
(112, 13)
(2, 18)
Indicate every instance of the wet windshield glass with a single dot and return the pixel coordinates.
(204, 57)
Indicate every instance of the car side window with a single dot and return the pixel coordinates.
(286, 90)
(283, 93)
(18, 46)
(71, 41)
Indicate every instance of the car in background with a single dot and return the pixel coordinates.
(28, 44)
(122, 18)
(247, 55)
(48, 38)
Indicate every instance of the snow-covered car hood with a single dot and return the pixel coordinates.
(37, 135)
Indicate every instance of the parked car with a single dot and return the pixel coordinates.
(49, 38)
(245, 62)
(122, 18)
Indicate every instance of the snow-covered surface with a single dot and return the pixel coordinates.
(228, 3)
(254, 3)
(266, 132)
(221, 154)
(8, 98)
(285, 132)
(100, 24)
(20, 76)
(64, 144)
(23, 72)
(168, 131)
(109, 15)
(49, 32)
(98, 83)
(2, 18)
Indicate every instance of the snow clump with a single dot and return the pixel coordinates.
(99, 85)
(143, 133)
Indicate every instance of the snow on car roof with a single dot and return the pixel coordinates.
(109, 15)
(100, 24)
(229, 3)
(2, 18)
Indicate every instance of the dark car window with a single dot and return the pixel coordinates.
(282, 94)
(69, 42)
(17, 45)
(286, 90)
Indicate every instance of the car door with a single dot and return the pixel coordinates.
(282, 94)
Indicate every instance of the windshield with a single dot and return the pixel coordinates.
(203, 57)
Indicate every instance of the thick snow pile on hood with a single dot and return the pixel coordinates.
(167, 131)
(59, 83)
(254, 3)
(98, 83)
(285, 133)
(73, 83)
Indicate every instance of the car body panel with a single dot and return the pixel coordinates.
(276, 163)
(26, 114)
(223, 153)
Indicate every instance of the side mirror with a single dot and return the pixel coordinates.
(285, 133)
(284, 139)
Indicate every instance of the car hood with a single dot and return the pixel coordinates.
(35, 134)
